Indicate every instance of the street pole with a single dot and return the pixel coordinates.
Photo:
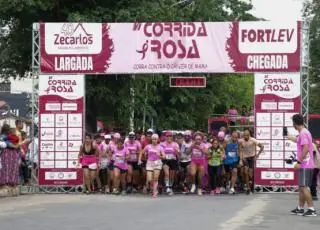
(144, 109)
(132, 94)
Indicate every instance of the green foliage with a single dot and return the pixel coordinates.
(108, 97)
(315, 60)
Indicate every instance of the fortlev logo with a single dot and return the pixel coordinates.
(70, 35)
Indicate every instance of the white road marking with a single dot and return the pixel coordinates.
(252, 210)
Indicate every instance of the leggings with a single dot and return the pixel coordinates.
(103, 174)
(215, 176)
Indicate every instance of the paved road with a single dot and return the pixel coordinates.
(97, 212)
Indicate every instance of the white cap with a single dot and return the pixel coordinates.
(132, 134)
(107, 136)
(117, 135)
(150, 131)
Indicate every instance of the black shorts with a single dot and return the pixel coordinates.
(122, 171)
(110, 166)
(172, 164)
(184, 165)
(248, 162)
(229, 167)
(134, 165)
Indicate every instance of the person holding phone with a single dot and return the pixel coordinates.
(304, 165)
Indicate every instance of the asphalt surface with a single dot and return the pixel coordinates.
(95, 212)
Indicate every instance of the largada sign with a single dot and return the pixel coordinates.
(170, 47)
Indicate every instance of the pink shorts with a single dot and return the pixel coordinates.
(199, 161)
(88, 160)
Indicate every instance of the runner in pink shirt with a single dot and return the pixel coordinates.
(170, 164)
(134, 148)
(198, 161)
(120, 156)
(154, 153)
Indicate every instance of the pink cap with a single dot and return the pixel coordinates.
(221, 135)
(117, 135)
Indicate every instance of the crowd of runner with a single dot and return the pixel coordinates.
(188, 162)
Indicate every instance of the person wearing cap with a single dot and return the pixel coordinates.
(154, 153)
(134, 148)
(170, 164)
(185, 159)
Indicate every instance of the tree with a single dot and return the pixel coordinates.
(108, 97)
(315, 58)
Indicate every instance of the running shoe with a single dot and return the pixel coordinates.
(213, 192)
(315, 198)
(167, 190)
(218, 191)
(193, 188)
(115, 191)
(170, 193)
(155, 194)
(124, 192)
(222, 190)
(310, 213)
(145, 190)
(186, 190)
(107, 190)
(232, 191)
(199, 192)
(133, 190)
(297, 211)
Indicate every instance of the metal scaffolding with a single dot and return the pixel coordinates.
(36, 57)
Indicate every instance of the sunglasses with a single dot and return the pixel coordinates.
(198, 139)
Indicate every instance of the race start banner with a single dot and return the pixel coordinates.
(170, 47)
(61, 127)
(277, 99)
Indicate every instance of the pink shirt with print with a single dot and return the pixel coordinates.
(119, 157)
(153, 152)
(134, 149)
(305, 138)
(170, 149)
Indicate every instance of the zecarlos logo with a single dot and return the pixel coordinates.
(73, 34)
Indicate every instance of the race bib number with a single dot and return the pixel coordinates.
(197, 153)
(157, 163)
(215, 162)
(232, 154)
(119, 161)
(133, 157)
(170, 157)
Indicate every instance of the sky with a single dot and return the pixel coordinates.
(274, 10)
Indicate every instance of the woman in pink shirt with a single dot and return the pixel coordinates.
(134, 148)
(120, 156)
(154, 154)
(198, 161)
(170, 164)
